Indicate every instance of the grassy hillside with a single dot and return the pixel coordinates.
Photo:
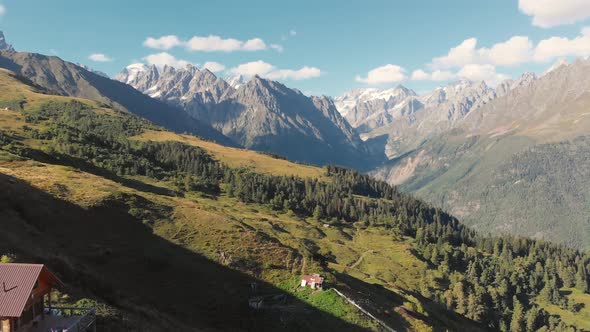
(169, 231)
(234, 157)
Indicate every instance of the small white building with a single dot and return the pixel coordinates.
(315, 281)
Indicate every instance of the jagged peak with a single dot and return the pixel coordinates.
(557, 65)
(207, 72)
(4, 46)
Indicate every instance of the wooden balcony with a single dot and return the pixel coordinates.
(66, 320)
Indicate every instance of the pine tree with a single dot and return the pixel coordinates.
(517, 321)
(318, 213)
(532, 318)
(582, 278)
(475, 307)
(460, 297)
(434, 256)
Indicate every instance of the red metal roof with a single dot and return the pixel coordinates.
(16, 284)
(313, 278)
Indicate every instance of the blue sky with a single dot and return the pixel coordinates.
(319, 47)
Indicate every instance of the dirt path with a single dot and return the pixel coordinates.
(360, 260)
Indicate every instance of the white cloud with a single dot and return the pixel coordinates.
(384, 74)
(164, 58)
(252, 68)
(99, 57)
(277, 47)
(556, 47)
(487, 73)
(458, 56)
(516, 50)
(299, 74)
(163, 43)
(209, 43)
(550, 13)
(293, 32)
(215, 43)
(213, 66)
(267, 70)
(2, 10)
(255, 44)
(437, 75)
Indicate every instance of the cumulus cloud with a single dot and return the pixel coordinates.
(458, 56)
(213, 66)
(516, 50)
(267, 70)
(437, 75)
(487, 73)
(99, 57)
(299, 74)
(550, 13)
(556, 47)
(163, 43)
(385, 74)
(255, 44)
(252, 68)
(214, 43)
(164, 58)
(209, 43)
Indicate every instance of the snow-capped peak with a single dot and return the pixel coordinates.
(355, 97)
(236, 81)
(130, 73)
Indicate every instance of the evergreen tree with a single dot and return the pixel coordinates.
(532, 318)
(517, 322)
(582, 278)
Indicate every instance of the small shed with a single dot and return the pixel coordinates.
(315, 281)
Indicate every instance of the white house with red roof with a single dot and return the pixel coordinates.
(315, 281)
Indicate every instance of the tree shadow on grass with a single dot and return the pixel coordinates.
(107, 253)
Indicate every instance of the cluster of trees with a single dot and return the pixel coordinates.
(499, 278)
(493, 280)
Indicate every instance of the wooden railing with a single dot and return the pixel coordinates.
(87, 321)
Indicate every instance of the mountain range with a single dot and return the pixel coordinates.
(257, 113)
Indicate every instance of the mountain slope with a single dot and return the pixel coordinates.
(116, 214)
(69, 79)
(517, 164)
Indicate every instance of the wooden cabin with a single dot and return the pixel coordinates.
(25, 291)
(315, 281)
